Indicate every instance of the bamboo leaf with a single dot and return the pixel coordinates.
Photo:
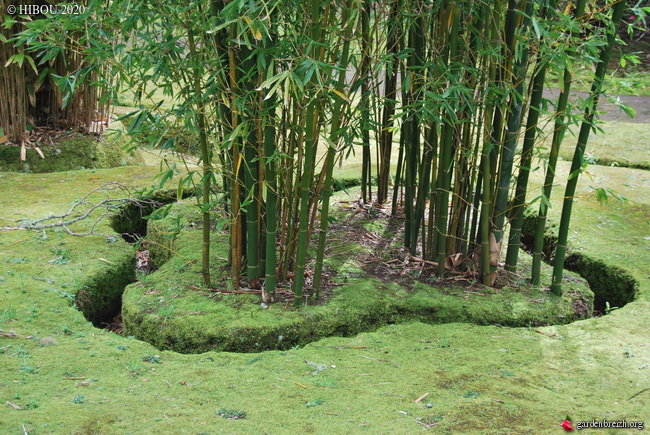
(16, 58)
(226, 101)
(31, 62)
(268, 82)
(538, 32)
(237, 166)
(601, 196)
(298, 81)
(264, 186)
(340, 94)
(575, 174)
(31, 94)
(248, 200)
(127, 115)
(168, 174)
(180, 190)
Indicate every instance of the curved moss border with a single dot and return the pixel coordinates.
(610, 284)
(165, 311)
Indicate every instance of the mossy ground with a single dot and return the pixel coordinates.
(480, 379)
(605, 148)
(72, 151)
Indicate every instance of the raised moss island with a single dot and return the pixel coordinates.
(167, 310)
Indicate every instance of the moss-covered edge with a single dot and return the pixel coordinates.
(156, 310)
(341, 318)
(100, 295)
(137, 220)
(610, 284)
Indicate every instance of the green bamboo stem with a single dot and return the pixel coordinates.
(514, 239)
(558, 137)
(487, 155)
(398, 175)
(334, 138)
(205, 159)
(583, 137)
(311, 139)
(235, 225)
(269, 189)
(250, 166)
(519, 202)
(366, 169)
(485, 217)
(446, 151)
(513, 22)
(430, 147)
(388, 110)
(417, 174)
(270, 279)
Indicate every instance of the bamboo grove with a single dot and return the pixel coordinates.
(444, 100)
(62, 91)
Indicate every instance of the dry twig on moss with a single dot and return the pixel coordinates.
(76, 213)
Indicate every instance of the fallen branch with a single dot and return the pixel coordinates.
(642, 391)
(544, 333)
(109, 205)
(13, 405)
(19, 241)
(422, 397)
(422, 260)
(226, 292)
(427, 424)
(10, 334)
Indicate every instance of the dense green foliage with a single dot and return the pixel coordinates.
(264, 86)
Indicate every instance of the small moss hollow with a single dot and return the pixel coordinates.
(610, 284)
(100, 296)
(133, 219)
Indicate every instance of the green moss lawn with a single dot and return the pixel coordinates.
(59, 374)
